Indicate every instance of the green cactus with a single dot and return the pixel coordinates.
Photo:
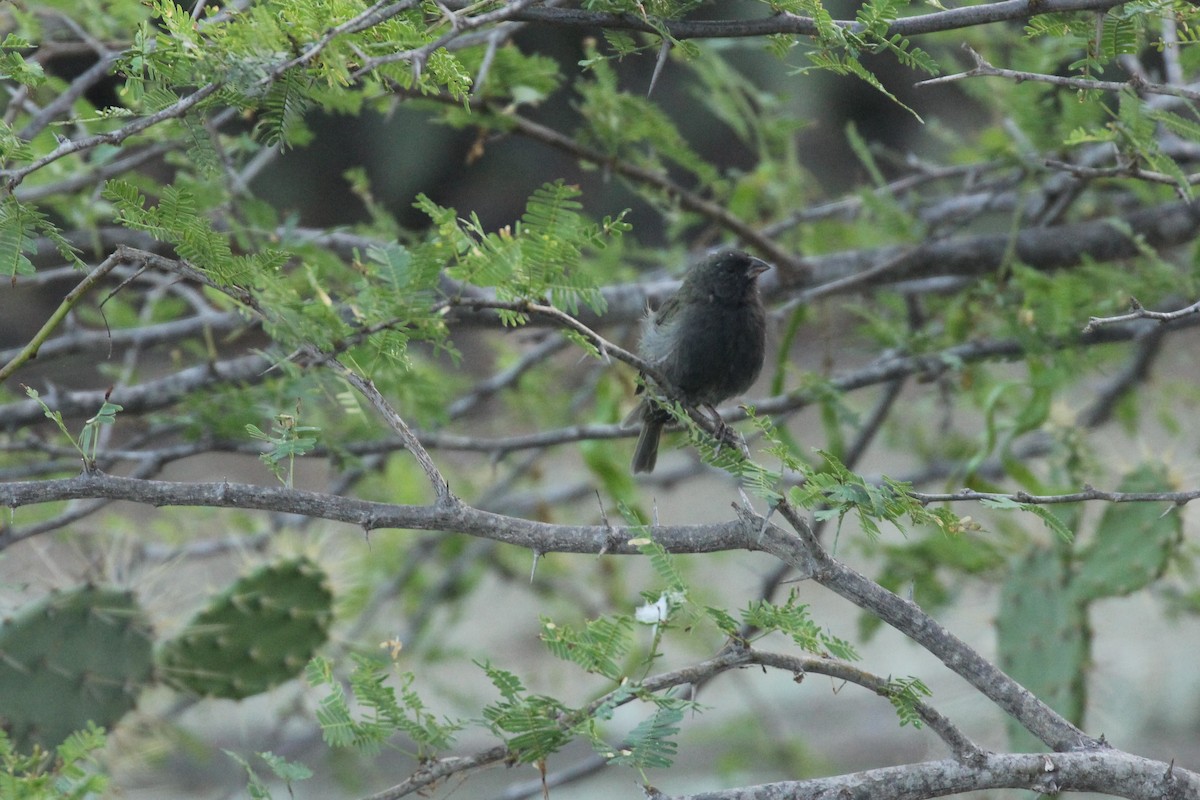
(70, 658)
(1044, 637)
(257, 634)
(1043, 631)
(1133, 542)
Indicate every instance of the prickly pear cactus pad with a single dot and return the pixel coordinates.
(1044, 637)
(257, 634)
(69, 658)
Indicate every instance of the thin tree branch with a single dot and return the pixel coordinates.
(179, 108)
(30, 350)
(507, 377)
(148, 396)
(963, 748)
(82, 340)
(714, 211)
(458, 27)
(1130, 169)
(983, 69)
(605, 347)
(1140, 312)
(1149, 345)
(441, 487)
(1087, 494)
(1054, 247)
(734, 658)
(64, 101)
(102, 172)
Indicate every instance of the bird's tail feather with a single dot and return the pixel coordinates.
(646, 454)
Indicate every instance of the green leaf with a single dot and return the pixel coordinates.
(792, 618)
(651, 744)
(905, 694)
(285, 770)
(383, 715)
(664, 566)
(16, 238)
(532, 725)
(597, 648)
(1057, 520)
(254, 787)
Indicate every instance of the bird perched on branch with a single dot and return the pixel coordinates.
(707, 341)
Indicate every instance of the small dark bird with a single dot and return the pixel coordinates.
(707, 340)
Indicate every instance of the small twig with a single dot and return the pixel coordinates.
(30, 350)
(506, 377)
(1138, 311)
(68, 97)
(983, 69)
(1088, 493)
(895, 264)
(459, 26)
(564, 319)
(177, 109)
(604, 346)
(1148, 346)
(365, 387)
(1126, 170)
(874, 422)
(663, 52)
(963, 748)
(1170, 50)
(485, 65)
(786, 23)
(82, 177)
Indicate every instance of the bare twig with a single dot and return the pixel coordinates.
(81, 340)
(97, 174)
(983, 69)
(1129, 169)
(366, 388)
(732, 659)
(1087, 494)
(507, 377)
(1138, 311)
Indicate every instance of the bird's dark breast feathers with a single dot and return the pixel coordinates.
(716, 361)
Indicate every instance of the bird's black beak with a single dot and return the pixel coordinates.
(757, 267)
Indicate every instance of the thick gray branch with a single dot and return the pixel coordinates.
(809, 558)
(788, 23)
(539, 537)
(1108, 771)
